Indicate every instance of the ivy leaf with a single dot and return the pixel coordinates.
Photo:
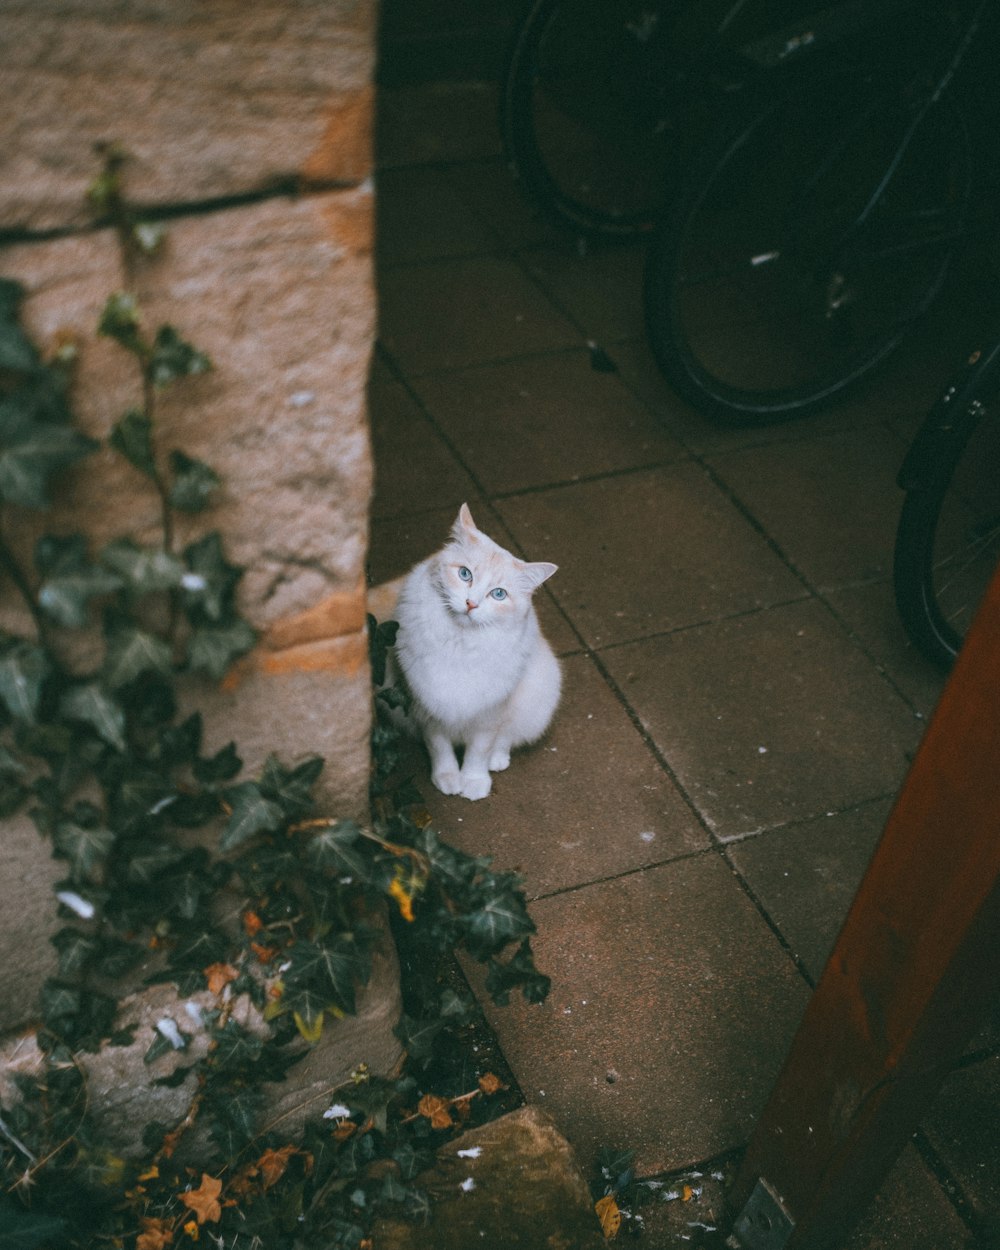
(30, 1230)
(143, 569)
(333, 850)
(131, 653)
(213, 648)
(334, 968)
(23, 670)
(212, 580)
(291, 787)
(193, 484)
(519, 972)
(234, 1120)
(147, 865)
(501, 919)
(120, 321)
(85, 847)
(76, 951)
(419, 1036)
(252, 814)
(133, 438)
(59, 1002)
(91, 704)
(70, 580)
(222, 766)
(173, 358)
(17, 352)
(31, 453)
(307, 1006)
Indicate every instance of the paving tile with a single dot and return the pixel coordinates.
(420, 216)
(671, 1007)
(768, 718)
(963, 1126)
(412, 461)
(910, 1212)
(600, 288)
(830, 503)
(546, 419)
(646, 552)
(469, 311)
(869, 613)
(432, 122)
(806, 875)
(492, 190)
(587, 802)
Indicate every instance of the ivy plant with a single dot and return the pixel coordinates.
(151, 828)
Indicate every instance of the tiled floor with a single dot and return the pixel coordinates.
(740, 702)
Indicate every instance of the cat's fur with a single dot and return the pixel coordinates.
(479, 672)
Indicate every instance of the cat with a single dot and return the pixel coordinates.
(479, 672)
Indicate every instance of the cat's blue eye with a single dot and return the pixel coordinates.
(465, 574)
(499, 593)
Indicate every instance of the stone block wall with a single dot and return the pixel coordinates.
(248, 126)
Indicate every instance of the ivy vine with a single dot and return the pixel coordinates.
(153, 831)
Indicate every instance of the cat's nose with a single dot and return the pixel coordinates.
(469, 605)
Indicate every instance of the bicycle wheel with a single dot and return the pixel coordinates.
(948, 538)
(803, 249)
(583, 112)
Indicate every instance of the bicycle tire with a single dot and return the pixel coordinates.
(579, 117)
(948, 536)
(791, 266)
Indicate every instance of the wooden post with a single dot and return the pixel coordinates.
(909, 980)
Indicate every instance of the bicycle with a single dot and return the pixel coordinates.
(948, 536)
(603, 101)
(817, 228)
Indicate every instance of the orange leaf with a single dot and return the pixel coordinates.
(490, 1084)
(687, 1193)
(264, 953)
(436, 1110)
(252, 923)
(204, 1201)
(218, 976)
(155, 1235)
(272, 1164)
(609, 1215)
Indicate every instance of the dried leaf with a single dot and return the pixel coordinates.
(609, 1215)
(403, 900)
(273, 1163)
(155, 1235)
(218, 976)
(490, 1084)
(436, 1110)
(204, 1201)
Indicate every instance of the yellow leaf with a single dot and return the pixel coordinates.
(272, 1164)
(687, 1193)
(311, 1032)
(609, 1215)
(404, 901)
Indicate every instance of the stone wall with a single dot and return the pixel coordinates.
(250, 126)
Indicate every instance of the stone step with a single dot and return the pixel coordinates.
(513, 1183)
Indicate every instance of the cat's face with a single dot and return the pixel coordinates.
(482, 584)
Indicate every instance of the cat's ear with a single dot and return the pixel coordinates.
(539, 572)
(464, 526)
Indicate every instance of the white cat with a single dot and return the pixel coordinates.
(479, 672)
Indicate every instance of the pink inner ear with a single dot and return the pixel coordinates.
(539, 571)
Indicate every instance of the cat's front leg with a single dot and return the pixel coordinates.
(476, 780)
(444, 764)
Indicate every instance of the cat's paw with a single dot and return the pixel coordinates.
(448, 781)
(499, 760)
(476, 785)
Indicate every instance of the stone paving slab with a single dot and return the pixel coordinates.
(652, 551)
(512, 1183)
(768, 718)
(588, 802)
(805, 875)
(502, 315)
(671, 1007)
(531, 422)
